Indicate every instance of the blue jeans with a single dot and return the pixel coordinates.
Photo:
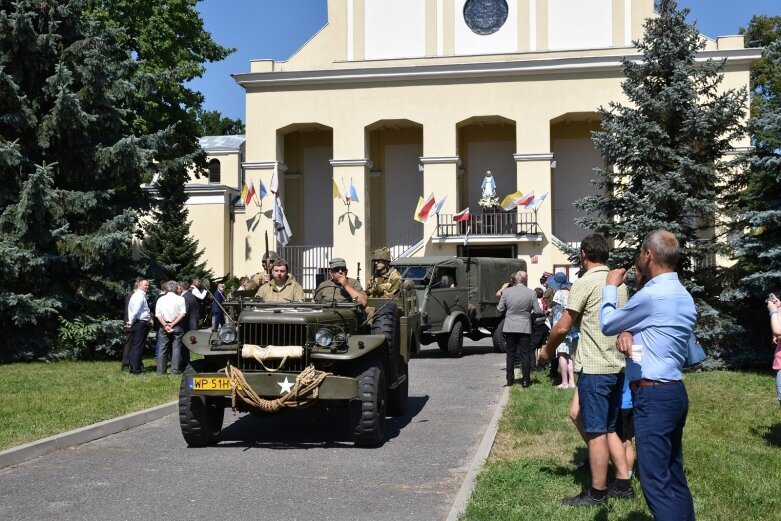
(599, 396)
(660, 415)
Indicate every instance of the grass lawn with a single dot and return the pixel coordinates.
(41, 399)
(732, 455)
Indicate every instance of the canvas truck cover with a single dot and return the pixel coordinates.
(491, 274)
(483, 275)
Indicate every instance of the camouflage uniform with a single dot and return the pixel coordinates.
(388, 283)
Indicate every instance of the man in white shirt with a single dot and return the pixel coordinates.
(139, 320)
(170, 311)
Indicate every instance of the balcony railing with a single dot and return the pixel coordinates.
(500, 223)
(306, 262)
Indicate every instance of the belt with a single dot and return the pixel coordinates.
(644, 382)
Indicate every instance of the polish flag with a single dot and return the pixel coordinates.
(526, 199)
(463, 215)
(425, 210)
(250, 193)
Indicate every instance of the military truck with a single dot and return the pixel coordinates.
(270, 356)
(457, 297)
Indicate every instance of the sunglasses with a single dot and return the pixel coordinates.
(333, 270)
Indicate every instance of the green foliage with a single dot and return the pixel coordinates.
(213, 123)
(753, 203)
(761, 32)
(170, 46)
(88, 338)
(71, 169)
(665, 150)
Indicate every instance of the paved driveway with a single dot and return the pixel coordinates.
(293, 466)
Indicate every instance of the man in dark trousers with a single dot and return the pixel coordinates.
(190, 320)
(519, 302)
(139, 320)
(660, 318)
(128, 333)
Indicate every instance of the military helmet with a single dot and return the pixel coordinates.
(382, 254)
(270, 255)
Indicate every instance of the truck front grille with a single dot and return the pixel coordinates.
(274, 334)
(292, 365)
(264, 335)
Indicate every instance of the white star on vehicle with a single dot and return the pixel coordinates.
(286, 386)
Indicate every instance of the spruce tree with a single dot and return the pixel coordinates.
(665, 151)
(70, 169)
(754, 204)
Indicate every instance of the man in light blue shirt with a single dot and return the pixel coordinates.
(661, 318)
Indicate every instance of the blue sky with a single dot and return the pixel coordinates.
(277, 28)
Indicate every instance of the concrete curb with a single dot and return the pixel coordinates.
(22, 453)
(459, 505)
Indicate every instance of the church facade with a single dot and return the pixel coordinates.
(394, 100)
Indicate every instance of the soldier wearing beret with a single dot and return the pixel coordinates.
(340, 288)
(386, 282)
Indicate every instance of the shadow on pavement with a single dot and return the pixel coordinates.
(315, 428)
(433, 351)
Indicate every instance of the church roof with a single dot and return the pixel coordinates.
(221, 143)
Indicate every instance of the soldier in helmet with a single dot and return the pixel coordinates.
(262, 277)
(386, 281)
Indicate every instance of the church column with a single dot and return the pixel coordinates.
(533, 173)
(352, 235)
(440, 164)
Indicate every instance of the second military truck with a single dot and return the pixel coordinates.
(457, 297)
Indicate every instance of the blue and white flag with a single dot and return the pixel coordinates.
(281, 227)
(353, 193)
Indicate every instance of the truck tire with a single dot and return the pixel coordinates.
(455, 342)
(367, 411)
(498, 338)
(386, 323)
(398, 397)
(200, 417)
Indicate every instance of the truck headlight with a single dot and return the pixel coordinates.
(227, 334)
(324, 337)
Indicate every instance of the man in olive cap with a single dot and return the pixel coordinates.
(386, 282)
(340, 288)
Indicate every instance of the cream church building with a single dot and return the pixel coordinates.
(403, 98)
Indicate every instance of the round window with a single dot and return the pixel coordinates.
(485, 16)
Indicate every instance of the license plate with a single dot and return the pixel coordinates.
(209, 383)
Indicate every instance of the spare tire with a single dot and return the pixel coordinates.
(386, 322)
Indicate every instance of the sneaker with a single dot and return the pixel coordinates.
(584, 499)
(612, 491)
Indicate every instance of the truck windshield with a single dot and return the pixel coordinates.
(420, 275)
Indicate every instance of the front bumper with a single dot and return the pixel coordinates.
(269, 385)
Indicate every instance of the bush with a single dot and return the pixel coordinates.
(89, 338)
